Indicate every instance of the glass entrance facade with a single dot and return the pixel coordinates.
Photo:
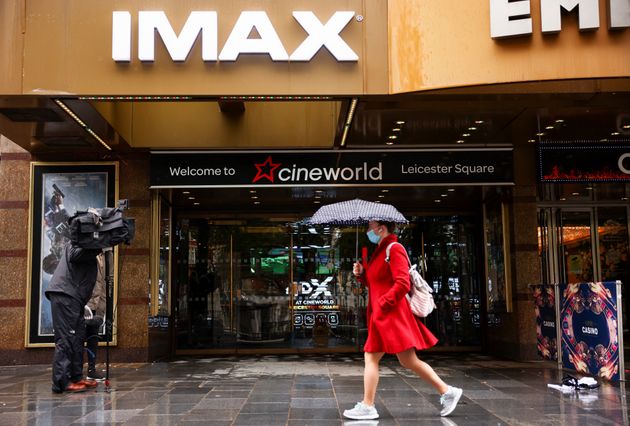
(273, 282)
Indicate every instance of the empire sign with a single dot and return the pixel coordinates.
(318, 35)
(510, 18)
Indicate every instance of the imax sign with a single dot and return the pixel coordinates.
(238, 42)
(509, 18)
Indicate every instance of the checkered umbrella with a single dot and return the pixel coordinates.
(356, 212)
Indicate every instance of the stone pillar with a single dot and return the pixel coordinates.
(515, 335)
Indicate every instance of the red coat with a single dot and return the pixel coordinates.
(392, 327)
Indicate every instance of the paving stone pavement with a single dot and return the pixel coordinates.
(307, 390)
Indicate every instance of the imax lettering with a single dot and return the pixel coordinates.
(509, 18)
(238, 42)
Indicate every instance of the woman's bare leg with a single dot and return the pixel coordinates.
(370, 376)
(409, 359)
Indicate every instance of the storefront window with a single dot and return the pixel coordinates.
(576, 246)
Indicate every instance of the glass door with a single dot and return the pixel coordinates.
(576, 245)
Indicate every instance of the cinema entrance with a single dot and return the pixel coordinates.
(249, 274)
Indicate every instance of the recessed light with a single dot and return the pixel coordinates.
(318, 191)
(461, 141)
(614, 134)
(479, 121)
(603, 140)
(254, 197)
(191, 198)
(384, 190)
(396, 129)
(438, 201)
(549, 127)
(256, 202)
(575, 193)
(185, 192)
(624, 198)
(196, 204)
(451, 190)
(563, 199)
(540, 134)
(377, 201)
(317, 202)
(532, 141)
(627, 126)
(559, 121)
(400, 122)
(393, 137)
(389, 143)
(317, 197)
(252, 191)
(443, 195)
(465, 135)
(472, 128)
(381, 196)
(590, 188)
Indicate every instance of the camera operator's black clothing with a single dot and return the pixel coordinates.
(69, 325)
(69, 291)
(76, 274)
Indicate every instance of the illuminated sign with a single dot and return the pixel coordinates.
(509, 18)
(238, 42)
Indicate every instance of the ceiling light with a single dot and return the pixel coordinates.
(465, 135)
(254, 197)
(396, 129)
(389, 143)
(393, 137)
(479, 121)
(191, 198)
(317, 197)
(384, 190)
(256, 202)
(252, 191)
(627, 126)
(590, 188)
(196, 204)
(549, 127)
(185, 192)
(563, 199)
(346, 126)
(451, 190)
(531, 140)
(381, 196)
(461, 141)
(400, 122)
(318, 191)
(472, 128)
(377, 201)
(438, 201)
(603, 140)
(317, 202)
(443, 195)
(559, 121)
(575, 193)
(81, 123)
(540, 134)
(614, 134)
(624, 198)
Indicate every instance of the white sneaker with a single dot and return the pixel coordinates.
(361, 412)
(449, 400)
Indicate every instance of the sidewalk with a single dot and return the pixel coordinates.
(306, 390)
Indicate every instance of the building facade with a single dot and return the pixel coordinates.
(498, 128)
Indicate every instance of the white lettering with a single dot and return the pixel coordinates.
(178, 46)
(326, 35)
(510, 18)
(378, 171)
(620, 163)
(281, 174)
(347, 176)
(121, 36)
(239, 42)
(550, 11)
(188, 171)
(315, 174)
(590, 330)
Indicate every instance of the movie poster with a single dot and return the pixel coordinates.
(590, 334)
(58, 192)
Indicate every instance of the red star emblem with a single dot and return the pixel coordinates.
(269, 167)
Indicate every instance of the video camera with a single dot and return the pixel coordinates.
(101, 228)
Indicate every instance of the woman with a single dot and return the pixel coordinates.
(392, 328)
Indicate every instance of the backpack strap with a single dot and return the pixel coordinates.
(390, 246)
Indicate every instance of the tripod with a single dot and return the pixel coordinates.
(109, 291)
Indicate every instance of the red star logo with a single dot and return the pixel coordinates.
(269, 166)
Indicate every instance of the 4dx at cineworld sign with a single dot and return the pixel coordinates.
(318, 34)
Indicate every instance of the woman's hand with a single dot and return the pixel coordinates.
(357, 269)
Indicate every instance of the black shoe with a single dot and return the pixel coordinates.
(95, 375)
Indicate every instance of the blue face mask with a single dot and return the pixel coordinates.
(373, 237)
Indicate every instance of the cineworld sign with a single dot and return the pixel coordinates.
(318, 35)
(183, 169)
(510, 18)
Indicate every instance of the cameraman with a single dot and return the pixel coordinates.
(69, 291)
